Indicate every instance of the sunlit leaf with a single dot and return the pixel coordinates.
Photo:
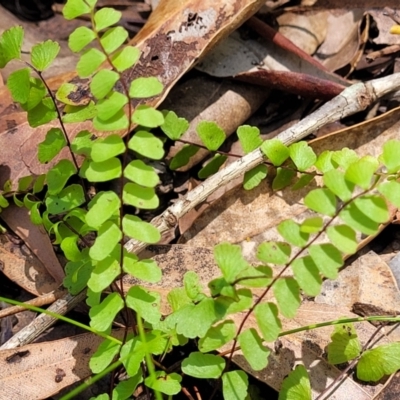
(234, 385)
(267, 320)
(322, 201)
(254, 177)
(58, 176)
(302, 155)
(287, 295)
(89, 62)
(254, 351)
(79, 113)
(102, 83)
(147, 116)
(125, 58)
(344, 345)
(307, 275)
(210, 134)
(378, 362)
(144, 87)
(203, 366)
(391, 190)
(108, 236)
(139, 196)
(274, 252)
(249, 138)
(135, 228)
(147, 145)
(344, 157)
(141, 173)
(230, 260)
(174, 127)
(51, 146)
(43, 54)
(80, 38)
(327, 258)
(390, 155)
(343, 237)
(104, 273)
(101, 208)
(110, 106)
(217, 336)
(338, 184)
(109, 147)
(276, 151)
(117, 122)
(103, 356)
(75, 8)
(361, 171)
(366, 213)
(164, 383)
(144, 302)
(70, 197)
(18, 82)
(10, 45)
(104, 171)
(146, 270)
(292, 233)
(106, 17)
(296, 386)
(82, 143)
(311, 225)
(103, 315)
(113, 38)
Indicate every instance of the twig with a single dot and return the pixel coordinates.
(43, 321)
(43, 300)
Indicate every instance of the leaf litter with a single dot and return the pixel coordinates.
(263, 208)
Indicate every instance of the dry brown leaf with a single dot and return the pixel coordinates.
(35, 237)
(306, 30)
(366, 281)
(26, 271)
(340, 45)
(235, 55)
(384, 23)
(37, 371)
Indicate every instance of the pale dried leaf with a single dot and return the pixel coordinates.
(341, 44)
(384, 23)
(38, 371)
(35, 237)
(306, 30)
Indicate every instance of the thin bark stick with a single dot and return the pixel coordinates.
(40, 301)
(30, 332)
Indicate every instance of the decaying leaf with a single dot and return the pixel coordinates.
(38, 371)
(36, 238)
